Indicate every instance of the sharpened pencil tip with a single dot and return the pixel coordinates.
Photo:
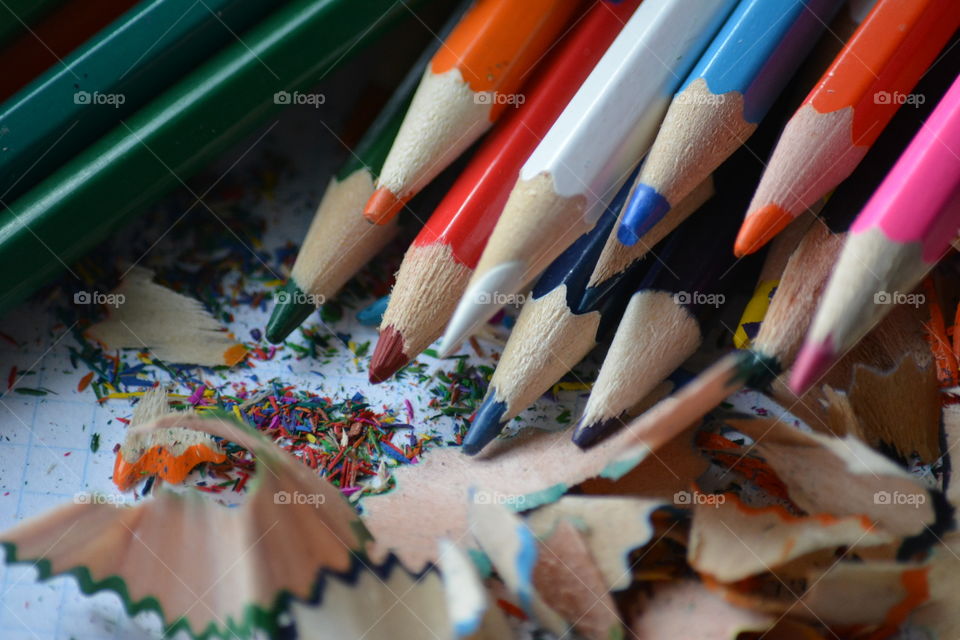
(388, 356)
(486, 424)
(587, 435)
(645, 208)
(292, 308)
(372, 315)
(759, 227)
(811, 364)
(383, 206)
(483, 297)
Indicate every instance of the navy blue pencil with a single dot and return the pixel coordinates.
(553, 333)
(664, 321)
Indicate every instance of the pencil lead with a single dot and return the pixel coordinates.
(759, 227)
(486, 424)
(372, 315)
(382, 206)
(645, 208)
(591, 296)
(388, 356)
(587, 435)
(481, 300)
(811, 364)
(290, 311)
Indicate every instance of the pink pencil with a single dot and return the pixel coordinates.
(906, 227)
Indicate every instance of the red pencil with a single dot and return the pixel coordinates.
(438, 265)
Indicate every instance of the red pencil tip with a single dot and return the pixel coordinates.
(759, 227)
(812, 363)
(382, 206)
(388, 356)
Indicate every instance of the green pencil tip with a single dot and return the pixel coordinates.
(292, 308)
(757, 370)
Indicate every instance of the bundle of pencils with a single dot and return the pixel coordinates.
(627, 157)
(438, 265)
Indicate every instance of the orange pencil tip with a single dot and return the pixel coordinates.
(383, 205)
(759, 227)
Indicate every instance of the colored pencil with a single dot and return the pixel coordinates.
(54, 37)
(804, 277)
(848, 109)
(722, 102)
(783, 246)
(553, 332)
(20, 15)
(597, 140)
(221, 102)
(900, 235)
(437, 266)
(774, 263)
(617, 258)
(340, 241)
(665, 318)
(772, 350)
(471, 81)
(129, 62)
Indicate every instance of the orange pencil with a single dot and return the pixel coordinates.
(844, 114)
(471, 80)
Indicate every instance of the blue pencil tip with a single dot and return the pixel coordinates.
(372, 315)
(486, 425)
(587, 435)
(645, 208)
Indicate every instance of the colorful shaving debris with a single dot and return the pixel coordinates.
(346, 441)
(455, 393)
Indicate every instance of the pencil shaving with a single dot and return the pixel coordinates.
(173, 327)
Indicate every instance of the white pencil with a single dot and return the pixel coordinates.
(587, 154)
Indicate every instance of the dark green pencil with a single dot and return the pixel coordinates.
(340, 240)
(186, 127)
(108, 78)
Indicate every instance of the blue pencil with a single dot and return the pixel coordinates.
(665, 318)
(722, 101)
(554, 331)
